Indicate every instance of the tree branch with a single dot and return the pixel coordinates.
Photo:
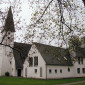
(4, 37)
(44, 11)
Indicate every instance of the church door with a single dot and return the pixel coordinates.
(19, 72)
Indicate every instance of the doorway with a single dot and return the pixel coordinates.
(19, 72)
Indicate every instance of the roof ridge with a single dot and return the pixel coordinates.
(48, 45)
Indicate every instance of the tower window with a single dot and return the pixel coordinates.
(10, 62)
(8, 33)
(8, 37)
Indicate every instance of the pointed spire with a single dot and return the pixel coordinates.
(9, 23)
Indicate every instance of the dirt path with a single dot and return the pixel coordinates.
(73, 83)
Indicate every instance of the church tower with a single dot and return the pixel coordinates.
(8, 31)
(8, 43)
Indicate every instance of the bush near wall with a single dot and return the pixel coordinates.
(7, 74)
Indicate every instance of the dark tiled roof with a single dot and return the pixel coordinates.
(9, 23)
(54, 55)
(20, 53)
(80, 52)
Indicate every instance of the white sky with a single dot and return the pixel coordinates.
(26, 15)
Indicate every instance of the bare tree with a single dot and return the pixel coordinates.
(57, 19)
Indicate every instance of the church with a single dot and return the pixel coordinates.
(37, 60)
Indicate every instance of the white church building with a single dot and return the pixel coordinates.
(37, 60)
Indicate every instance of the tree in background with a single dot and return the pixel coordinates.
(56, 20)
(74, 42)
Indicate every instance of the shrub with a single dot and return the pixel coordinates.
(7, 74)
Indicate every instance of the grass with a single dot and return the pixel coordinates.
(80, 83)
(24, 81)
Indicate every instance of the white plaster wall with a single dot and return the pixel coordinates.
(25, 66)
(7, 55)
(1, 56)
(41, 64)
(64, 74)
(76, 65)
(4, 62)
(14, 72)
(6, 66)
(0, 64)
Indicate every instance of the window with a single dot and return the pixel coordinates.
(10, 62)
(60, 70)
(50, 71)
(8, 37)
(35, 70)
(8, 33)
(30, 61)
(80, 60)
(83, 70)
(68, 69)
(55, 70)
(78, 70)
(35, 61)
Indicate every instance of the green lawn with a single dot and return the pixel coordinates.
(24, 81)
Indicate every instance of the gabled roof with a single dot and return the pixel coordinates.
(20, 53)
(54, 55)
(9, 23)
